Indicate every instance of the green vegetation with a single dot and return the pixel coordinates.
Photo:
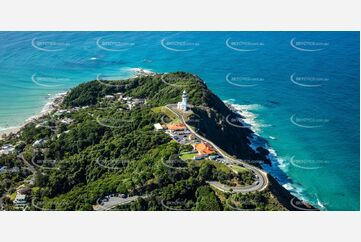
(238, 168)
(109, 149)
(187, 156)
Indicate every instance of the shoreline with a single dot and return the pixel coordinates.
(274, 170)
(52, 104)
(249, 117)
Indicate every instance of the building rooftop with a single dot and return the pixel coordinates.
(204, 149)
(176, 127)
(158, 126)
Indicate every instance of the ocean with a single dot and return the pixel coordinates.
(298, 90)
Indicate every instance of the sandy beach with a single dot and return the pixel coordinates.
(8, 131)
(49, 107)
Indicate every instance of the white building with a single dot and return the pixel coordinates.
(20, 199)
(158, 126)
(7, 149)
(39, 143)
(66, 121)
(61, 112)
(184, 103)
(109, 97)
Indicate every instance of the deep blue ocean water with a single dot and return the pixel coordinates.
(300, 90)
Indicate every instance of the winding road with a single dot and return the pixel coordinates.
(262, 179)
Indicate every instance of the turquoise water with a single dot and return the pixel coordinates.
(301, 89)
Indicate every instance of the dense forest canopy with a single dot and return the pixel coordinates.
(109, 149)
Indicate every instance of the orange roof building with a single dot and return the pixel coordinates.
(204, 148)
(176, 127)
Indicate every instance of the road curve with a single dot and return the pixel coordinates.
(262, 176)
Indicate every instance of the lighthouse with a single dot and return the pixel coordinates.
(183, 104)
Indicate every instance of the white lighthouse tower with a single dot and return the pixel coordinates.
(184, 103)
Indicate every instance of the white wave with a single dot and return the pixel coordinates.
(278, 168)
(10, 128)
(249, 117)
(47, 108)
(137, 70)
(320, 204)
(243, 107)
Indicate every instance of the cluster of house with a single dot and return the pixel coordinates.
(62, 112)
(59, 115)
(182, 135)
(7, 149)
(178, 132)
(129, 101)
(4, 169)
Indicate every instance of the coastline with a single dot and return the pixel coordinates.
(281, 190)
(54, 102)
(275, 170)
(52, 105)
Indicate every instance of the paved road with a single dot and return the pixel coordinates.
(262, 176)
(31, 167)
(114, 202)
(235, 189)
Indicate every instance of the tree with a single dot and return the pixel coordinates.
(206, 200)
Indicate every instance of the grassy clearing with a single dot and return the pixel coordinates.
(186, 157)
(167, 112)
(219, 166)
(238, 169)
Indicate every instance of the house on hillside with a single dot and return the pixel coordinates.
(7, 149)
(109, 97)
(40, 143)
(158, 126)
(203, 149)
(176, 127)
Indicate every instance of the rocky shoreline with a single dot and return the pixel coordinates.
(284, 197)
